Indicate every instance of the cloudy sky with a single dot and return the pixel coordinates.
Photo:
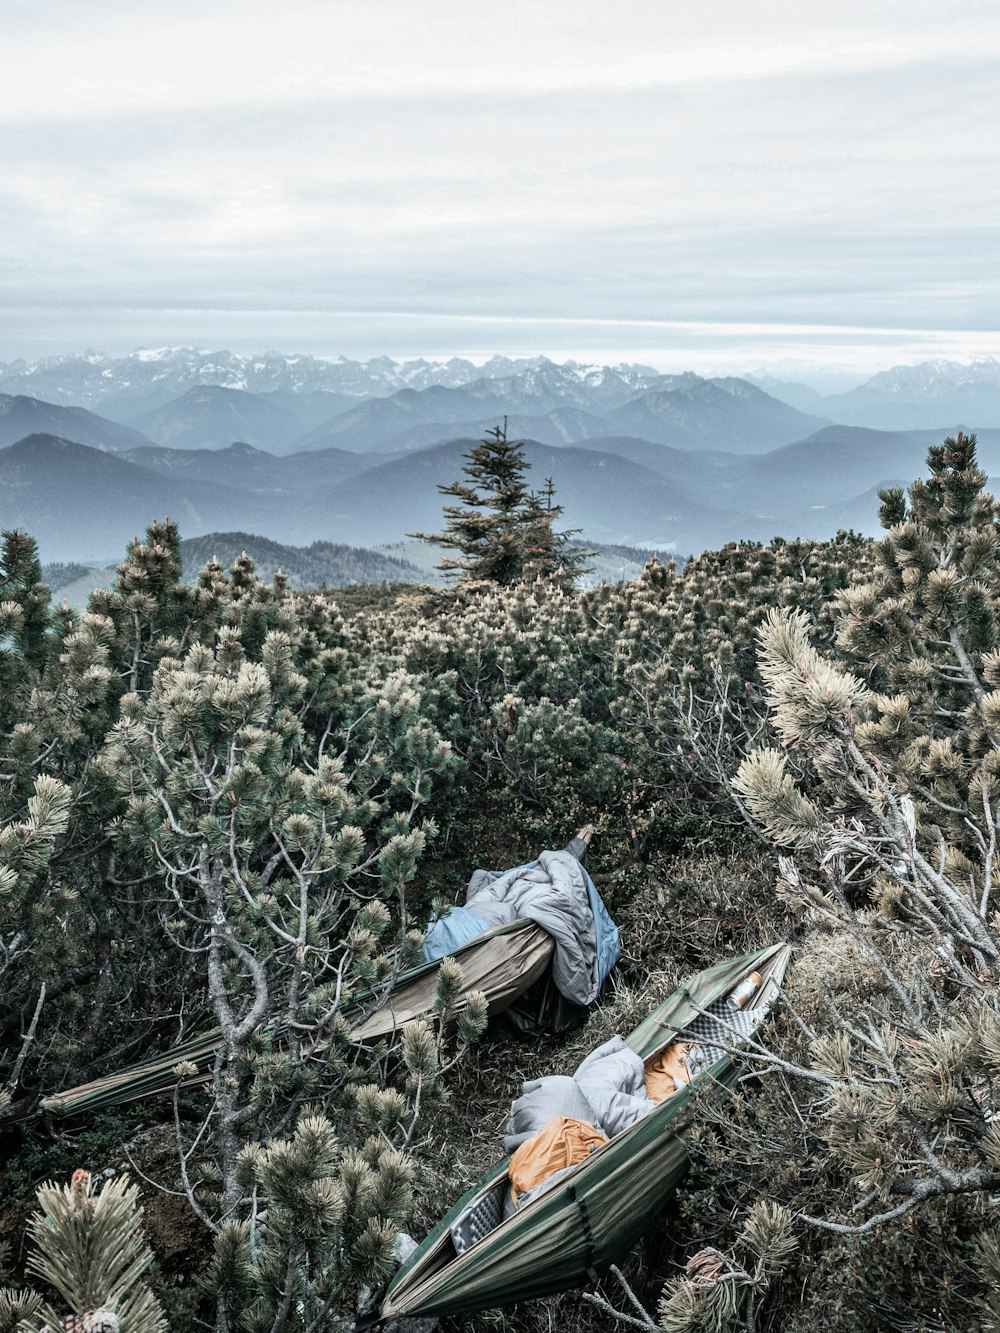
(719, 185)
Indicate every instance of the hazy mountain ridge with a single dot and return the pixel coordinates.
(253, 469)
(686, 464)
(542, 403)
(83, 503)
(330, 564)
(726, 413)
(612, 499)
(21, 416)
(684, 411)
(209, 416)
(802, 396)
(929, 377)
(563, 425)
(933, 394)
(59, 574)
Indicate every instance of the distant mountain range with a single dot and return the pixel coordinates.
(689, 413)
(83, 504)
(550, 404)
(934, 394)
(186, 398)
(127, 386)
(677, 462)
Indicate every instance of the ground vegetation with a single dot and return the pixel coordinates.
(232, 803)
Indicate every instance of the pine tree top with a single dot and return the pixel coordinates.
(502, 531)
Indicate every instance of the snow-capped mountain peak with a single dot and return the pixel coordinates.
(150, 376)
(930, 378)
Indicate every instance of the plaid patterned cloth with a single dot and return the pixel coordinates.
(721, 1027)
(712, 1033)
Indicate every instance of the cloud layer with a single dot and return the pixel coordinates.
(384, 176)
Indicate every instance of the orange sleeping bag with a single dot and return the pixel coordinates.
(667, 1072)
(562, 1142)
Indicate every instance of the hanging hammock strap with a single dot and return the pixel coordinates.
(588, 1234)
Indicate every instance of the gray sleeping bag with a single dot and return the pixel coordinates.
(552, 892)
(608, 1089)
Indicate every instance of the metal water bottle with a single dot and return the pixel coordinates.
(747, 987)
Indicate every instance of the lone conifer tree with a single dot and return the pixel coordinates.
(503, 531)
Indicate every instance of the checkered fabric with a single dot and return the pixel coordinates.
(712, 1032)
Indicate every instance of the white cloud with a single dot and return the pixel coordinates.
(565, 160)
(99, 60)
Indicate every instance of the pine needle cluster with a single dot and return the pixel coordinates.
(89, 1249)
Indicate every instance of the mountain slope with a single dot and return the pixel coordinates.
(311, 407)
(682, 410)
(563, 425)
(82, 504)
(211, 417)
(610, 498)
(248, 469)
(320, 564)
(372, 424)
(693, 413)
(827, 468)
(801, 487)
(703, 472)
(801, 396)
(21, 416)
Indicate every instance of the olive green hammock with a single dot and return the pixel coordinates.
(571, 1234)
(502, 963)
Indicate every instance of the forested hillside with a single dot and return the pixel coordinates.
(323, 564)
(232, 805)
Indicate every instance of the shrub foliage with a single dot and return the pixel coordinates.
(231, 804)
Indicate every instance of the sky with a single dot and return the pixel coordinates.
(715, 187)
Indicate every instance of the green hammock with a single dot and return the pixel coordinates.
(572, 1233)
(501, 962)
